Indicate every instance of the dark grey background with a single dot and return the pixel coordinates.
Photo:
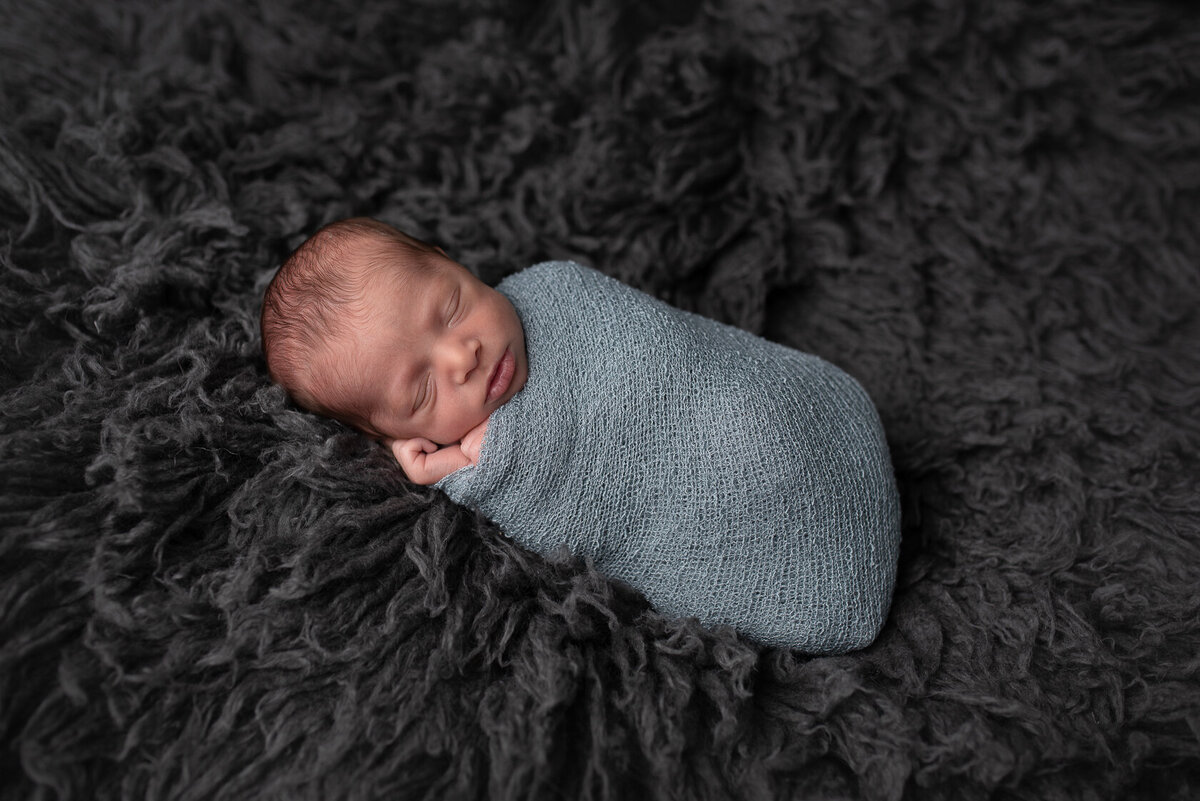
(985, 212)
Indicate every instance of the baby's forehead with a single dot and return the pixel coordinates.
(390, 300)
(406, 279)
(375, 274)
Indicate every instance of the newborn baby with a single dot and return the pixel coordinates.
(724, 476)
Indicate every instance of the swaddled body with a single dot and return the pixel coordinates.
(722, 475)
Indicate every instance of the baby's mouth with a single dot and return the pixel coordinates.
(502, 376)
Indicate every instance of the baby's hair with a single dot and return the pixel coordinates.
(315, 296)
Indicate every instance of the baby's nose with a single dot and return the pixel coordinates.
(462, 359)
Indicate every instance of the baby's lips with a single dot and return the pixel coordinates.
(501, 376)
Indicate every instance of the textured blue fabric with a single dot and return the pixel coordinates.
(722, 475)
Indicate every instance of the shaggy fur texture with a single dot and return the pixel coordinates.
(985, 212)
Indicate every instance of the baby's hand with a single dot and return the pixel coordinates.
(425, 463)
(472, 442)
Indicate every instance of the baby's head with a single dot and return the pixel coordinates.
(384, 332)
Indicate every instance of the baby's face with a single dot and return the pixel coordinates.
(441, 353)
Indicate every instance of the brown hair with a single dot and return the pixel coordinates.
(315, 296)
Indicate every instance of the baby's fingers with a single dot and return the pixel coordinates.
(407, 450)
(410, 453)
(473, 442)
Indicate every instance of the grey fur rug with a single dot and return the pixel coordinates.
(986, 212)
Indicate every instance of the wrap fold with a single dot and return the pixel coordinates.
(724, 476)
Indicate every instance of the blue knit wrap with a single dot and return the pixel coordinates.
(724, 476)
